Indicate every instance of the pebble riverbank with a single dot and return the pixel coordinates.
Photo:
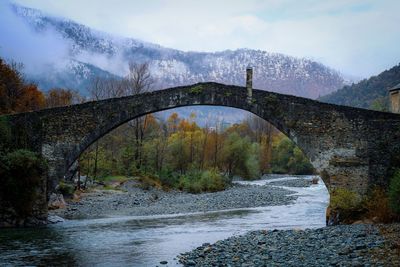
(134, 201)
(346, 245)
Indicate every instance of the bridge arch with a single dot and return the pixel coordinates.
(92, 138)
(349, 147)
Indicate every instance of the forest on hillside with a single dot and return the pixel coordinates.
(369, 93)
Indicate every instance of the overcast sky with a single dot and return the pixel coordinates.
(357, 37)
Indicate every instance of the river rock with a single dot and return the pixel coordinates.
(52, 219)
(345, 245)
(56, 201)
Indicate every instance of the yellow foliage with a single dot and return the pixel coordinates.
(345, 200)
(377, 206)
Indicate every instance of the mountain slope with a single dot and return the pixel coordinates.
(368, 93)
(170, 67)
(75, 75)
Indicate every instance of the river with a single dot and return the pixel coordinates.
(147, 240)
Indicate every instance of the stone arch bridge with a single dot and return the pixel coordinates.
(350, 147)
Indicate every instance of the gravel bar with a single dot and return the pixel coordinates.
(134, 201)
(346, 245)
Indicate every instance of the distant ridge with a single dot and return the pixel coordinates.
(369, 93)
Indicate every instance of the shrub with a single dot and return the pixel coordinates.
(66, 189)
(189, 186)
(168, 179)
(279, 170)
(394, 192)
(203, 181)
(345, 200)
(377, 206)
(5, 134)
(252, 168)
(22, 172)
(212, 181)
(190, 182)
(149, 181)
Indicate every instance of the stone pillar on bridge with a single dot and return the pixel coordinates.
(249, 84)
(394, 93)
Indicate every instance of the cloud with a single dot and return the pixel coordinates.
(358, 37)
(115, 64)
(19, 42)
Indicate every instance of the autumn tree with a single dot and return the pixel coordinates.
(262, 133)
(31, 99)
(59, 97)
(15, 94)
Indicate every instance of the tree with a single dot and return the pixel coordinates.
(15, 94)
(380, 104)
(31, 99)
(11, 87)
(234, 153)
(59, 97)
(173, 121)
(178, 152)
(102, 88)
(288, 158)
(138, 81)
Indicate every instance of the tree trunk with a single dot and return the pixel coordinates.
(96, 155)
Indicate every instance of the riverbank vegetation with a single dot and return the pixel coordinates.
(378, 205)
(21, 173)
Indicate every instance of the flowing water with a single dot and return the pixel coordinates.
(147, 240)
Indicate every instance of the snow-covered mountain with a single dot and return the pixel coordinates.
(92, 53)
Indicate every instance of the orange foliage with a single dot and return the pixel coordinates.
(15, 95)
(31, 99)
(173, 121)
(58, 97)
